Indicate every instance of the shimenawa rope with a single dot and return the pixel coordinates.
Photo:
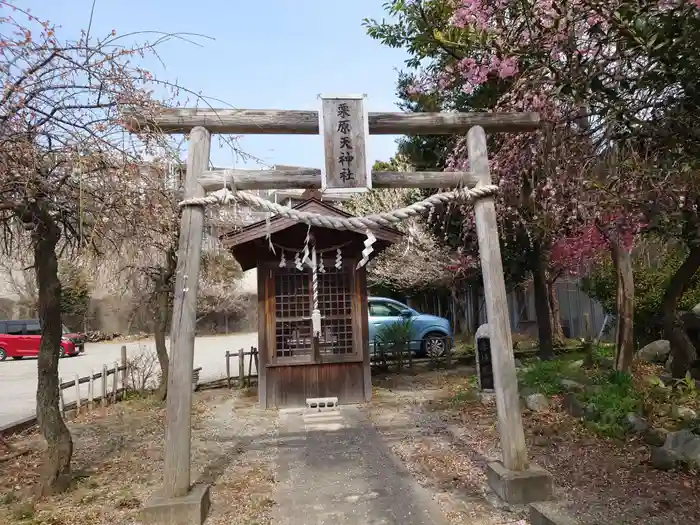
(387, 219)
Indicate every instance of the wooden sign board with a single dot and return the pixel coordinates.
(344, 127)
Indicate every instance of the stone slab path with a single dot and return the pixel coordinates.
(336, 469)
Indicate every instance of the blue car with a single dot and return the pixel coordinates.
(429, 334)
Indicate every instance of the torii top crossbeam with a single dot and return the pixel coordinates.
(294, 122)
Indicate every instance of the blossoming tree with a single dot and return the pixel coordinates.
(605, 76)
(69, 173)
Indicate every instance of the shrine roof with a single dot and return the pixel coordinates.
(250, 244)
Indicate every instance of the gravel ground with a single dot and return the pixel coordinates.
(18, 378)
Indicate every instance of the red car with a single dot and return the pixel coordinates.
(20, 339)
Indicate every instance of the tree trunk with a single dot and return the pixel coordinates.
(624, 333)
(57, 473)
(542, 311)
(555, 319)
(160, 327)
(683, 352)
(163, 291)
(457, 309)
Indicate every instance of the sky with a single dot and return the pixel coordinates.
(259, 54)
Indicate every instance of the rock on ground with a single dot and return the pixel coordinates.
(680, 447)
(637, 423)
(684, 413)
(663, 458)
(573, 406)
(655, 352)
(656, 436)
(537, 402)
(685, 444)
(572, 386)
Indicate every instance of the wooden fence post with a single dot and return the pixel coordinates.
(104, 386)
(241, 368)
(115, 382)
(77, 394)
(178, 421)
(91, 391)
(228, 369)
(61, 399)
(510, 423)
(250, 366)
(124, 374)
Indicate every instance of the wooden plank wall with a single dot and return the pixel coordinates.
(290, 386)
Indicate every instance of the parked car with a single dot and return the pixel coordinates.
(21, 338)
(429, 334)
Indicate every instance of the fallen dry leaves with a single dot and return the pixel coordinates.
(118, 461)
(446, 444)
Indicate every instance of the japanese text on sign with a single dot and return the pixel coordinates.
(344, 130)
(345, 157)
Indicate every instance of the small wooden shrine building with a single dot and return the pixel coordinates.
(293, 365)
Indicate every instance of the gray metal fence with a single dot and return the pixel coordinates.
(574, 304)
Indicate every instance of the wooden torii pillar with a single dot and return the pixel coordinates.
(513, 479)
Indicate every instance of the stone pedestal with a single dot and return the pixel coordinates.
(549, 513)
(520, 487)
(190, 509)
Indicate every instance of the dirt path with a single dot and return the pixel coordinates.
(336, 469)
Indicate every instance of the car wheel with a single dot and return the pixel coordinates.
(61, 352)
(434, 344)
(3, 355)
(17, 357)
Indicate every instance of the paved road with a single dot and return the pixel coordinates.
(18, 378)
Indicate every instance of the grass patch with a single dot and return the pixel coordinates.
(464, 346)
(462, 397)
(546, 376)
(603, 351)
(609, 395)
(613, 398)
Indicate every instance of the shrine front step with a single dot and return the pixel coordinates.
(320, 404)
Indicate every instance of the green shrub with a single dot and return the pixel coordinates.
(610, 402)
(603, 351)
(464, 346)
(546, 376)
(395, 334)
(393, 340)
(650, 282)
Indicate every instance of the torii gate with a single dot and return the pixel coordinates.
(345, 125)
